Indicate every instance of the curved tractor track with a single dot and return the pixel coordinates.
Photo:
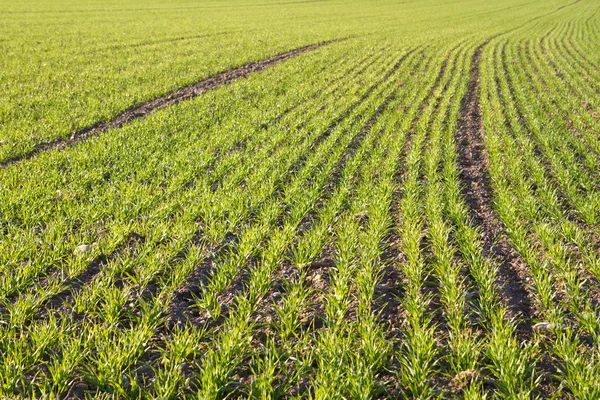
(185, 93)
(478, 193)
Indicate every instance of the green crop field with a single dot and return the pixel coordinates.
(284, 199)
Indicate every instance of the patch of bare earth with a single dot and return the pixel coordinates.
(478, 194)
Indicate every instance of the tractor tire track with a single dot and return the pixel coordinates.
(477, 191)
(185, 93)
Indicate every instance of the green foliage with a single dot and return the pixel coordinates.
(307, 231)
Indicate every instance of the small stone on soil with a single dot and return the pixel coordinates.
(82, 386)
(544, 327)
(497, 249)
(82, 249)
(361, 216)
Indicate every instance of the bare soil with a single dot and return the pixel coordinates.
(477, 191)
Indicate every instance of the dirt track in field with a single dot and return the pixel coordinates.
(473, 165)
(184, 93)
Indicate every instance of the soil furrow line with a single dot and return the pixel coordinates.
(59, 304)
(178, 311)
(567, 5)
(181, 94)
(477, 191)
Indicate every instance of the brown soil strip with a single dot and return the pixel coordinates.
(170, 40)
(478, 194)
(178, 313)
(74, 284)
(185, 93)
(567, 5)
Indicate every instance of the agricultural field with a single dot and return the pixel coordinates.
(289, 199)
